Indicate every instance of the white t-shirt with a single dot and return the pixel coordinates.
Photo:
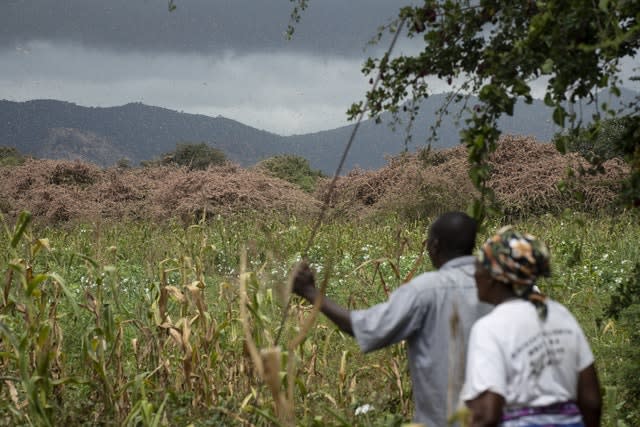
(527, 361)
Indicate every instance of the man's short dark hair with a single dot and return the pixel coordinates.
(455, 232)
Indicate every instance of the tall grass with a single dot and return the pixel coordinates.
(145, 324)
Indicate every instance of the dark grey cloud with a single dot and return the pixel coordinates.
(214, 57)
(281, 92)
(336, 27)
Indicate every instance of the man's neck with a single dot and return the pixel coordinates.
(440, 261)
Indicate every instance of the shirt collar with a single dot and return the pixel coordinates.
(458, 262)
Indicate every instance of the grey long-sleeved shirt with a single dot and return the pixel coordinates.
(434, 312)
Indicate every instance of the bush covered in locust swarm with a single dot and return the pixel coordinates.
(527, 176)
(606, 140)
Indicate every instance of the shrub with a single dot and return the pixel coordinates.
(603, 141)
(123, 163)
(292, 168)
(600, 142)
(74, 173)
(194, 156)
(10, 156)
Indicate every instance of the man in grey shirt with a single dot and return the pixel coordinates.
(433, 313)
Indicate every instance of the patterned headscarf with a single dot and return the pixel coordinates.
(517, 259)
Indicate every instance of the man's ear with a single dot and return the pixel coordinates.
(434, 245)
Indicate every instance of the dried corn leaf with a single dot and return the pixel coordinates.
(175, 293)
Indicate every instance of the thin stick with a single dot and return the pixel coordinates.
(332, 185)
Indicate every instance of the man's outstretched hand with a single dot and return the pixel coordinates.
(304, 283)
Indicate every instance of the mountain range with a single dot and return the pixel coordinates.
(63, 130)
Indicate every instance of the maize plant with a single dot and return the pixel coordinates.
(30, 348)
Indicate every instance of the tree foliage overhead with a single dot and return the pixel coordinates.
(495, 49)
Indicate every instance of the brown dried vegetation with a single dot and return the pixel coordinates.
(61, 191)
(525, 177)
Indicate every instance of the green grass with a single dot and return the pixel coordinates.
(140, 324)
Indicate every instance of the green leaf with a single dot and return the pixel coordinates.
(548, 100)
(476, 210)
(90, 260)
(547, 66)
(562, 186)
(6, 332)
(561, 145)
(35, 281)
(23, 221)
(559, 115)
(615, 90)
(157, 420)
(61, 282)
(478, 142)
(521, 88)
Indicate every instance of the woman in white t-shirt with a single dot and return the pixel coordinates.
(528, 361)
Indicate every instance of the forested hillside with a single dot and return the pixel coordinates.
(61, 130)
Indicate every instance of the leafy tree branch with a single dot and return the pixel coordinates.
(497, 49)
